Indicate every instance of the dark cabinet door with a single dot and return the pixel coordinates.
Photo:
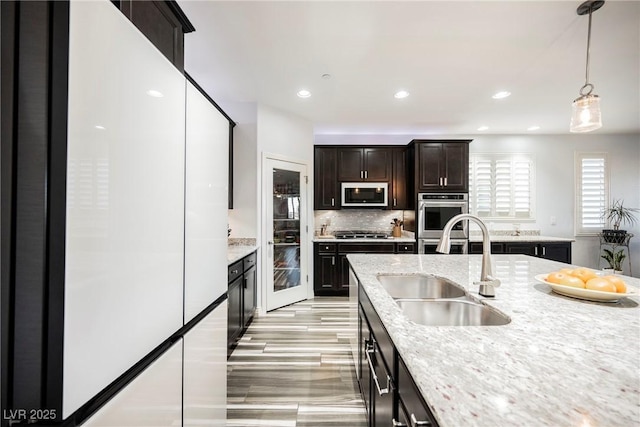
(521, 248)
(476, 248)
(410, 399)
(350, 165)
(399, 179)
(429, 157)
(377, 164)
(363, 365)
(325, 268)
(326, 191)
(234, 299)
(343, 274)
(249, 296)
(560, 251)
(381, 389)
(455, 164)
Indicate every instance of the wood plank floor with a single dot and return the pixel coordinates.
(293, 368)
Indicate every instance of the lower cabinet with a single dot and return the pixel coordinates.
(331, 268)
(241, 297)
(391, 396)
(555, 251)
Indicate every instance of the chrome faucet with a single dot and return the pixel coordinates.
(487, 282)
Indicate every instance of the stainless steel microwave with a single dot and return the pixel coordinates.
(365, 194)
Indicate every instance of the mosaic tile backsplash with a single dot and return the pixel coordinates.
(356, 219)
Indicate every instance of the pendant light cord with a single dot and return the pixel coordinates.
(588, 85)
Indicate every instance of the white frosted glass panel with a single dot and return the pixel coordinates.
(207, 165)
(125, 210)
(205, 371)
(154, 398)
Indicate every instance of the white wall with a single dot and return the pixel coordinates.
(244, 217)
(555, 183)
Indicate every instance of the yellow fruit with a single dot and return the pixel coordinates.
(621, 286)
(584, 274)
(601, 284)
(561, 278)
(566, 270)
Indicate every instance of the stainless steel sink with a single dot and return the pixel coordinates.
(451, 312)
(420, 286)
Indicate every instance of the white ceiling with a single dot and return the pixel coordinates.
(451, 56)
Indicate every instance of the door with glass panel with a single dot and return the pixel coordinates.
(285, 232)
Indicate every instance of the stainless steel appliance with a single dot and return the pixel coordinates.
(434, 211)
(428, 246)
(358, 234)
(365, 194)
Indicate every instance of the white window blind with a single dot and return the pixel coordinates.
(592, 192)
(501, 186)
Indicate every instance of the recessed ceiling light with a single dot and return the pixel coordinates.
(99, 127)
(304, 93)
(155, 93)
(501, 94)
(533, 127)
(326, 76)
(401, 94)
(481, 128)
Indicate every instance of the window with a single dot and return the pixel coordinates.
(592, 192)
(501, 186)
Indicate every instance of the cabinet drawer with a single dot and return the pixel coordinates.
(235, 270)
(406, 248)
(410, 399)
(326, 247)
(249, 261)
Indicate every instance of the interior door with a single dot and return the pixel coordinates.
(286, 237)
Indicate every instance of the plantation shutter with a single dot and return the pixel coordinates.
(591, 191)
(501, 186)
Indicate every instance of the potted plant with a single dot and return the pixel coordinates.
(617, 214)
(614, 259)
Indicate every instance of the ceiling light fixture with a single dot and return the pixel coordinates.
(155, 93)
(501, 94)
(401, 94)
(585, 115)
(482, 128)
(532, 128)
(304, 93)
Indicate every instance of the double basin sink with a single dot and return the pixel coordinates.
(436, 301)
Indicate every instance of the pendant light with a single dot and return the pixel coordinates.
(585, 115)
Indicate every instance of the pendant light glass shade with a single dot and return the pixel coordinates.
(585, 115)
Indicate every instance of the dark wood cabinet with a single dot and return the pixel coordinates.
(364, 164)
(325, 166)
(163, 23)
(241, 298)
(331, 268)
(412, 409)
(555, 251)
(398, 188)
(441, 166)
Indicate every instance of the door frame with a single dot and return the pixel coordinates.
(305, 240)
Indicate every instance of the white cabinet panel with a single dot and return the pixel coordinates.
(154, 398)
(205, 371)
(125, 200)
(206, 200)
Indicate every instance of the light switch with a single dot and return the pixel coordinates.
(553, 220)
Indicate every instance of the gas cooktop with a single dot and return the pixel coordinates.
(358, 234)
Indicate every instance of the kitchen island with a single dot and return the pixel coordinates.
(559, 362)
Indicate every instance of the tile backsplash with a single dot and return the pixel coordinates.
(356, 219)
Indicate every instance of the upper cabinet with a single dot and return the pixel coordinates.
(364, 164)
(163, 23)
(325, 165)
(398, 194)
(441, 166)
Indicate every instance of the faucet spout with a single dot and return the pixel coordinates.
(487, 281)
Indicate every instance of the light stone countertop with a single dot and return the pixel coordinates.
(237, 252)
(387, 240)
(560, 362)
(501, 238)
